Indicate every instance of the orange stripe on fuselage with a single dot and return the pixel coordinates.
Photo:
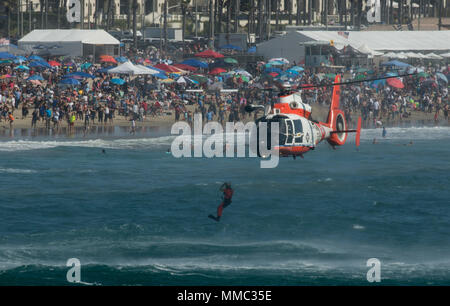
(292, 150)
(285, 109)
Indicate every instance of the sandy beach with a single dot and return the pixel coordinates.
(163, 122)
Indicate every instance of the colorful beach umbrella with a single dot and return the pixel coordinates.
(54, 63)
(209, 54)
(195, 63)
(36, 58)
(118, 81)
(70, 81)
(22, 67)
(279, 59)
(217, 70)
(121, 59)
(441, 77)
(41, 64)
(35, 77)
(199, 78)
(230, 60)
(6, 55)
(394, 82)
(167, 68)
(107, 59)
(185, 67)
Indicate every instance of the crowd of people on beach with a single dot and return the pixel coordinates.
(37, 93)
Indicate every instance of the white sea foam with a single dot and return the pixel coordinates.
(25, 145)
(118, 143)
(18, 171)
(358, 227)
(404, 134)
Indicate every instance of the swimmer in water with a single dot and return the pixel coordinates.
(384, 132)
(227, 195)
(103, 151)
(374, 141)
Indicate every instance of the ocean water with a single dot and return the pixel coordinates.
(138, 216)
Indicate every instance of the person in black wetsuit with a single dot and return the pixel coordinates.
(227, 195)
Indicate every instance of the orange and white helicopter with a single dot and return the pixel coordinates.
(298, 132)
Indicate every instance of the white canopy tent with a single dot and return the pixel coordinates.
(364, 48)
(146, 70)
(433, 56)
(130, 68)
(70, 42)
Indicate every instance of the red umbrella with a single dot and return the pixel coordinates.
(54, 63)
(167, 68)
(108, 60)
(394, 82)
(209, 54)
(217, 70)
(273, 74)
(185, 67)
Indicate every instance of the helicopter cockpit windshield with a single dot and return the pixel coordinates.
(290, 131)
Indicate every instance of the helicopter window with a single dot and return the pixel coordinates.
(290, 131)
(282, 131)
(298, 129)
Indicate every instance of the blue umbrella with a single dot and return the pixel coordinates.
(395, 63)
(118, 81)
(22, 67)
(271, 69)
(160, 76)
(195, 63)
(35, 77)
(121, 59)
(36, 57)
(231, 47)
(441, 77)
(6, 55)
(105, 70)
(79, 74)
(40, 64)
(297, 68)
(251, 49)
(69, 81)
(21, 58)
(276, 63)
(291, 71)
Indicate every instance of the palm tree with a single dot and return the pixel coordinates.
(289, 10)
(251, 16)
(228, 26)
(135, 5)
(184, 5)
(260, 19)
(236, 15)
(220, 5)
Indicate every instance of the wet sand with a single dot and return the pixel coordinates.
(161, 125)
